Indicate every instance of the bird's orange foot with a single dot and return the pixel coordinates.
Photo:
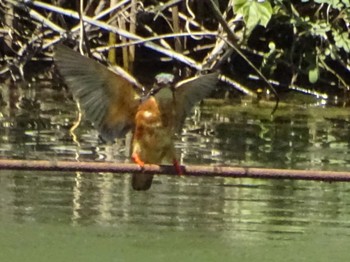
(177, 167)
(136, 158)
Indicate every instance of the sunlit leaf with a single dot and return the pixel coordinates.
(320, 29)
(342, 40)
(254, 12)
(336, 4)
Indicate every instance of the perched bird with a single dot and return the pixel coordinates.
(113, 104)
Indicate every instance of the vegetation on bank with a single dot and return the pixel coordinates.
(293, 44)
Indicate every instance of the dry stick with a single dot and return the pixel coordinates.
(112, 40)
(176, 28)
(105, 12)
(170, 53)
(94, 21)
(208, 171)
(158, 37)
(132, 28)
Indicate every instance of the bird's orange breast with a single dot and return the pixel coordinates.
(147, 119)
(153, 139)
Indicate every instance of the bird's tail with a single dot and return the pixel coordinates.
(141, 181)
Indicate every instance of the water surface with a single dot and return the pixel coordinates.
(55, 216)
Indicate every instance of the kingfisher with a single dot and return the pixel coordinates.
(114, 104)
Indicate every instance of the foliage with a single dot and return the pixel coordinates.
(303, 38)
(304, 43)
(254, 12)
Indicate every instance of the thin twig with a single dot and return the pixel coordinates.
(186, 60)
(97, 17)
(158, 37)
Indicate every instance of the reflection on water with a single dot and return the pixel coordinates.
(264, 208)
(35, 125)
(217, 213)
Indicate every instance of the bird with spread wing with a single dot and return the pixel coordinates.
(113, 104)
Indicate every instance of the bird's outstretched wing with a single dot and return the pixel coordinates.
(109, 100)
(191, 91)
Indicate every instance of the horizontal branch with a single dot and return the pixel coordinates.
(208, 171)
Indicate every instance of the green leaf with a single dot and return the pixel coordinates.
(314, 73)
(239, 4)
(254, 12)
(336, 4)
(342, 40)
(320, 29)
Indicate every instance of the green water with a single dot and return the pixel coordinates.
(48, 216)
(34, 242)
(97, 217)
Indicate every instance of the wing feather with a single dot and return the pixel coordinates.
(191, 91)
(109, 100)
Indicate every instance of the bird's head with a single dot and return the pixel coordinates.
(163, 88)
